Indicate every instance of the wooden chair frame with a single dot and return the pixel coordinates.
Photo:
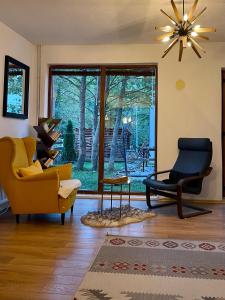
(177, 196)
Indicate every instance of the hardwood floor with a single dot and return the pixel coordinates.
(43, 260)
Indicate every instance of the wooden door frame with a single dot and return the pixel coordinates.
(223, 127)
(102, 129)
(113, 70)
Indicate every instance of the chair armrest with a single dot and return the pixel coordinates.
(181, 182)
(64, 171)
(160, 172)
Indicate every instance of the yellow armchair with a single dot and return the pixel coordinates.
(34, 194)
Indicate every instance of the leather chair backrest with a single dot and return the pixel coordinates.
(195, 156)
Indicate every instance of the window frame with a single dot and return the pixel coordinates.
(104, 70)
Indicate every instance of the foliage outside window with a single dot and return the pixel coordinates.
(129, 118)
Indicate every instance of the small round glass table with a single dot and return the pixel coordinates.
(112, 182)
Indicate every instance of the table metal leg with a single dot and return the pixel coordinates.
(121, 200)
(111, 196)
(102, 199)
(129, 194)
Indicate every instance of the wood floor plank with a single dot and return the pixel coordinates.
(42, 260)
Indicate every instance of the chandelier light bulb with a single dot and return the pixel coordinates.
(189, 44)
(194, 34)
(166, 39)
(185, 17)
(168, 28)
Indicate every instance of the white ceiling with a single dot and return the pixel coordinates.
(99, 21)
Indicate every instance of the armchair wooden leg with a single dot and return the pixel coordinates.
(63, 218)
(148, 200)
(71, 209)
(198, 211)
(179, 205)
(17, 219)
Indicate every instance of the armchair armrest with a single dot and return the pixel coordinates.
(64, 171)
(160, 172)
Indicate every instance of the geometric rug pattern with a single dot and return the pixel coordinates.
(133, 268)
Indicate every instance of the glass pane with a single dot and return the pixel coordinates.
(130, 128)
(16, 84)
(76, 102)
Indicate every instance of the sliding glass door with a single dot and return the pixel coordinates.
(130, 126)
(75, 100)
(108, 121)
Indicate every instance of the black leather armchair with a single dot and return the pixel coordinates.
(186, 176)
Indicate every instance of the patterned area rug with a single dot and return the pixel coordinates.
(131, 268)
(111, 218)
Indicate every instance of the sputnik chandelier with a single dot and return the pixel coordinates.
(184, 30)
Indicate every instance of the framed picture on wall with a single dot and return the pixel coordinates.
(16, 89)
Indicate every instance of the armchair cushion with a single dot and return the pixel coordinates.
(34, 169)
(160, 185)
(169, 185)
(175, 176)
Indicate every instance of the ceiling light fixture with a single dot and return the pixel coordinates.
(184, 31)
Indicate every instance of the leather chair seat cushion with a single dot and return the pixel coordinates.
(160, 185)
(175, 176)
(169, 185)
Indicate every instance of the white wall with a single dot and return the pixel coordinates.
(192, 112)
(15, 45)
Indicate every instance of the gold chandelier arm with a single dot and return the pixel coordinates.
(204, 29)
(196, 51)
(181, 50)
(174, 42)
(171, 19)
(184, 30)
(194, 18)
(165, 28)
(200, 36)
(163, 36)
(197, 44)
(192, 10)
(184, 41)
(176, 12)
